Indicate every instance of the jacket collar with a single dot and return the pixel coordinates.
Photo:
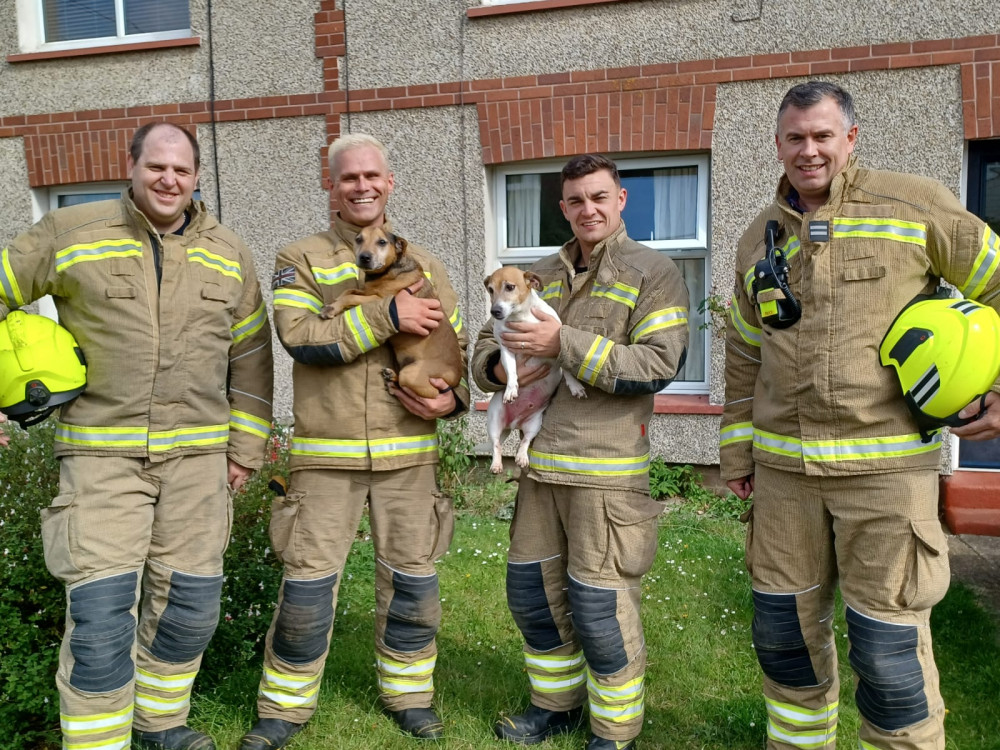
(131, 215)
(838, 187)
(602, 258)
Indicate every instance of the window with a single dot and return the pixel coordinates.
(666, 209)
(70, 24)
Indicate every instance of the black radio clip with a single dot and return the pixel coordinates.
(778, 306)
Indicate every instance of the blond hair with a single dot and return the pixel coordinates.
(355, 140)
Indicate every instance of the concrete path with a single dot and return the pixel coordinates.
(975, 561)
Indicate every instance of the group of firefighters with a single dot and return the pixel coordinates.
(844, 361)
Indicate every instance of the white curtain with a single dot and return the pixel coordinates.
(675, 199)
(524, 204)
(693, 272)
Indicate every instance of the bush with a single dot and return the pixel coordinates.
(668, 481)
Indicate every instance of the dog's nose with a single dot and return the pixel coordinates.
(497, 312)
(365, 260)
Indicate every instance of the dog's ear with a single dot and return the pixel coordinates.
(400, 244)
(533, 280)
(486, 282)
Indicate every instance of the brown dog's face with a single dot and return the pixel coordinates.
(509, 287)
(376, 249)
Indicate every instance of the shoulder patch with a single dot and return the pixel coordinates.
(283, 277)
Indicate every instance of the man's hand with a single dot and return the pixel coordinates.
(417, 314)
(4, 437)
(426, 408)
(987, 426)
(742, 487)
(539, 339)
(526, 373)
(237, 475)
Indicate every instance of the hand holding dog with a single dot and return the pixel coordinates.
(426, 408)
(539, 339)
(418, 315)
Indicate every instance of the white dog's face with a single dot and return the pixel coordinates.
(509, 288)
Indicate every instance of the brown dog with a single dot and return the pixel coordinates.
(388, 270)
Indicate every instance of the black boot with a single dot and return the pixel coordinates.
(535, 724)
(175, 738)
(269, 734)
(599, 743)
(422, 723)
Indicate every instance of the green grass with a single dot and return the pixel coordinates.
(703, 678)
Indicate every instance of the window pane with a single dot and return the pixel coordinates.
(662, 204)
(534, 218)
(75, 199)
(78, 19)
(148, 16)
(693, 272)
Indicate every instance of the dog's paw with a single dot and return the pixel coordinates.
(331, 311)
(390, 377)
(496, 467)
(521, 459)
(578, 392)
(510, 393)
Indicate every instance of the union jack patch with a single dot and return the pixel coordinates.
(283, 277)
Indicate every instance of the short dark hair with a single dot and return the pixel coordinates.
(584, 164)
(139, 140)
(810, 93)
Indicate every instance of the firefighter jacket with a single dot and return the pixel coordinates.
(813, 397)
(176, 365)
(624, 334)
(344, 416)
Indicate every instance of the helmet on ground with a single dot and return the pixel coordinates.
(946, 352)
(41, 367)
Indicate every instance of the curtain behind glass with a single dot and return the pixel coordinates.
(66, 20)
(693, 272)
(524, 197)
(675, 203)
(148, 16)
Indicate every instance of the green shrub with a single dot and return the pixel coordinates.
(668, 481)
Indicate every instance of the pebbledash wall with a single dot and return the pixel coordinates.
(457, 87)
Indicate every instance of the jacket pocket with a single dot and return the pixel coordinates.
(444, 516)
(928, 577)
(864, 273)
(747, 518)
(57, 537)
(120, 292)
(631, 535)
(284, 519)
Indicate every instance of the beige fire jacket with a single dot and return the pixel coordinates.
(813, 398)
(176, 367)
(624, 335)
(344, 417)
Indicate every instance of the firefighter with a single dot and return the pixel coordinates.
(585, 528)
(164, 305)
(356, 443)
(844, 478)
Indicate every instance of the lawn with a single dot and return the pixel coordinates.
(703, 678)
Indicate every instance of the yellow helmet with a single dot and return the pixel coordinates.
(41, 367)
(946, 353)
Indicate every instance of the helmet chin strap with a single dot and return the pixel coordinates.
(33, 418)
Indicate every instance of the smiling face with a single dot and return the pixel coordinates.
(163, 178)
(592, 205)
(814, 144)
(361, 182)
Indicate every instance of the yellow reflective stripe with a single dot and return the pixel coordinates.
(738, 432)
(791, 247)
(159, 705)
(109, 437)
(291, 700)
(100, 250)
(171, 683)
(779, 444)
(166, 440)
(595, 359)
(456, 320)
(862, 745)
(216, 262)
(93, 723)
(9, 289)
(605, 467)
(360, 329)
(293, 298)
(390, 447)
(552, 290)
(249, 326)
(400, 687)
(280, 680)
(749, 333)
(802, 716)
(657, 321)
(553, 663)
(418, 668)
(631, 690)
(330, 448)
(807, 740)
(985, 265)
(618, 714)
(556, 683)
(891, 446)
(121, 742)
(245, 422)
(335, 275)
(627, 295)
(910, 232)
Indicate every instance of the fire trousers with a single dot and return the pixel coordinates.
(879, 535)
(312, 529)
(139, 547)
(576, 558)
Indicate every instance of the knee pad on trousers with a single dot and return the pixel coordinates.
(304, 620)
(529, 605)
(595, 619)
(778, 640)
(414, 612)
(890, 692)
(103, 633)
(189, 620)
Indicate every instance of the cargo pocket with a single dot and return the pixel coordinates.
(229, 521)
(57, 537)
(631, 535)
(928, 577)
(444, 515)
(747, 518)
(284, 518)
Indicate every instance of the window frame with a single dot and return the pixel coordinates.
(31, 33)
(694, 248)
